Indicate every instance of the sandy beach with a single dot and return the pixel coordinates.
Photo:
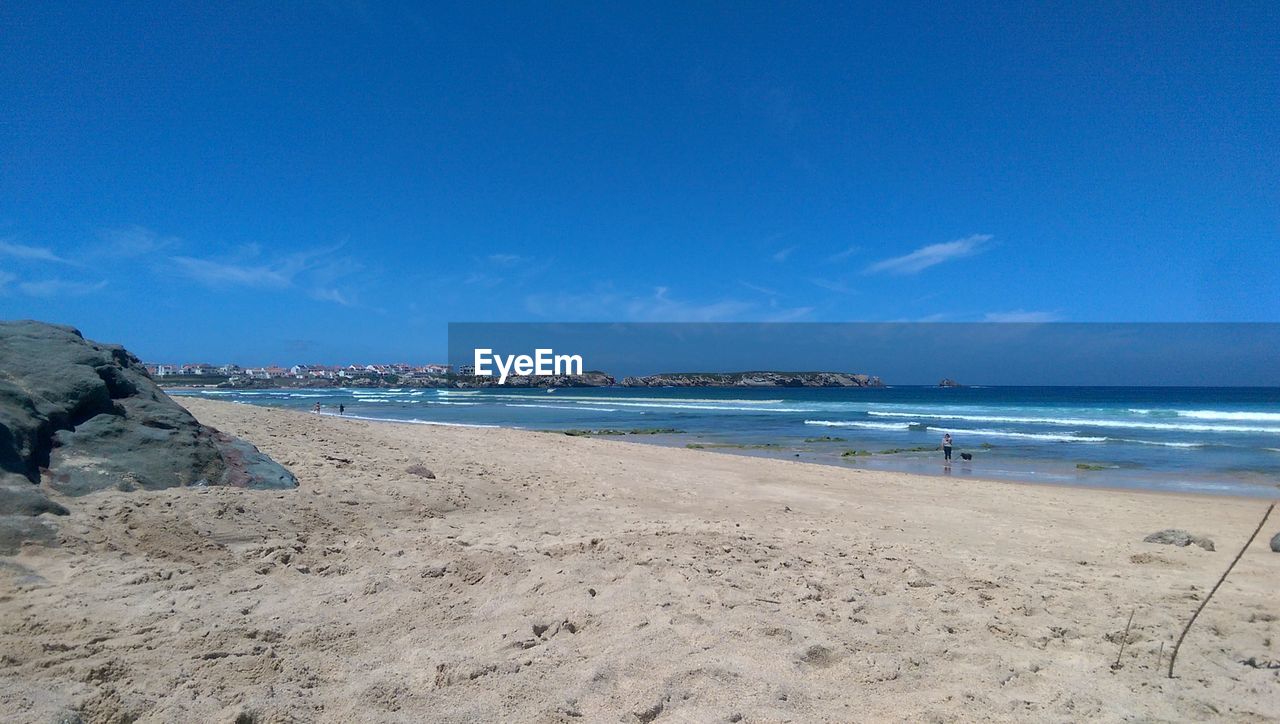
(541, 577)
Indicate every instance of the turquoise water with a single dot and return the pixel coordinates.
(1223, 440)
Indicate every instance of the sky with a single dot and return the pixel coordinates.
(327, 182)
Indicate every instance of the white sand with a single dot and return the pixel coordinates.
(541, 577)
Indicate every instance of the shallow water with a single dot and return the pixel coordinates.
(1223, 440)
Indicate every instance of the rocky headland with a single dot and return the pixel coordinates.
(754, 379)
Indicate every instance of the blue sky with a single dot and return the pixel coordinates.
(334, 181)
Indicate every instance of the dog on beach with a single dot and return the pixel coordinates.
(966, 456)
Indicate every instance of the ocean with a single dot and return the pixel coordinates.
(1211, 440)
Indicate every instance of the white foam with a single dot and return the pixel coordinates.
(558, 407)
(1225, 415)
(682, 406)
(1071, 421)
(412, 421)
(608, 399)
(1164, 444)
(866, 425)
(1046, 437)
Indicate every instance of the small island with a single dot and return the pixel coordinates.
(948, 382)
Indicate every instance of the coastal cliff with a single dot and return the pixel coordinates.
(754, 379)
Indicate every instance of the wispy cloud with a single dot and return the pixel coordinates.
(328, 294)
(782, 254)
(483, 280)
(845, 254)
(505, 259)
(1020, 315)
(606, 303)
(661, 307)
(59, 288)
(932, 255)
(29, 253)
(762, 290)
(222, 274)
(131, 241)
(317, 272)
(5, 280)
(831, 285)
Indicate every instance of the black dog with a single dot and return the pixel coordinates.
(966, 456)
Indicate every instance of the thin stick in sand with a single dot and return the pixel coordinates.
(1174, 656)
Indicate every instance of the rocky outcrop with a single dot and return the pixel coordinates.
(948, 382)
(1180, 538)
(586, 379)
(77, 416)
(754, 379)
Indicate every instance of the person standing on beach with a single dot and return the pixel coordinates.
(341, 408)
(316, 409)
(946, 447)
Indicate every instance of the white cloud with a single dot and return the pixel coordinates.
(932, 255)
(605, 303)
(331, 295)
(763, 290)
(5, 279)
(831, 285)
(661, 307)
(59, 288)
(131, 241)
(845, 254)
(29, 253)
(216, 273)
(317, 272)
(782, 254)
(1020, 315)
(505, 259)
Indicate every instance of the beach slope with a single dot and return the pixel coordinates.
(450, 574)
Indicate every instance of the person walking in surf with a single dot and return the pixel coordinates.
(946, 447)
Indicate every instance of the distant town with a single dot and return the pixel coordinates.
(235, 373)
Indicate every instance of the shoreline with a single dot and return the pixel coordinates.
(1243, 489)
(495, 574)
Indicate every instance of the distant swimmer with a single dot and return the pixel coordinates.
(946, 447)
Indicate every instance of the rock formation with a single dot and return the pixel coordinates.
(1178, 537)
(77, 417)
(754, 379)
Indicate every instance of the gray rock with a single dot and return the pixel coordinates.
(1275, 542)
(1180, 538)
(18, 529)
(80, 416)
(26, 499)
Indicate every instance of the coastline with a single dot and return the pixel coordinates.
(557, 578)
(1104, 483)
(1030, 471)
